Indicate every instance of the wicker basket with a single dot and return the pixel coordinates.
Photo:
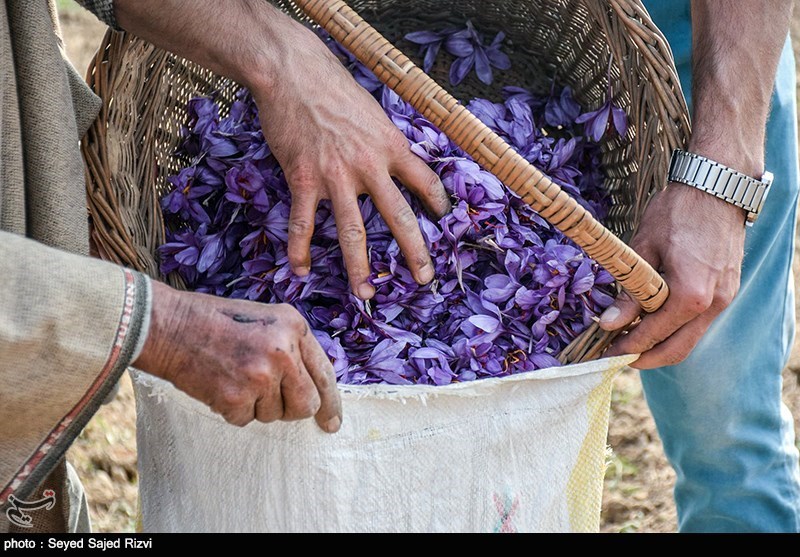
(129, 151)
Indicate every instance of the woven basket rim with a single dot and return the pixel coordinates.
(116, 243)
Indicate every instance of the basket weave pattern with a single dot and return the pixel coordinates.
(129, 151)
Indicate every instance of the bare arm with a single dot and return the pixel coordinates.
(330, 136)
(693, 238)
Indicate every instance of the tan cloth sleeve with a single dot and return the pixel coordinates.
(69, 326)
(103, 9)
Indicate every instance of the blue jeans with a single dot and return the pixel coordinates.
(719, 413)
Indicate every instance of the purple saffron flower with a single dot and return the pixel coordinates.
(468, 48)
(182, 253)
(246, 185)
(510, 291)
(598, 121)
(436, 367)
(429, 42)
(203, 115)
(186, 199)
(336, 353)
(561, 110)
(488, 112)
(385, 362)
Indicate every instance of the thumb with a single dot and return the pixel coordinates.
(622, 312)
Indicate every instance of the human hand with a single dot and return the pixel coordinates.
(330, 136)
(334, 141)
(697, 242)
(243, 359)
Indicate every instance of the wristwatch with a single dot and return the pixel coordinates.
(721, 181)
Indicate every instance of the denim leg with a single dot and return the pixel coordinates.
(719, 413)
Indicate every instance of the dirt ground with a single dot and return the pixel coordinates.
(638, 492)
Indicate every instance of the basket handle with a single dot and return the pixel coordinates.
(488, 149)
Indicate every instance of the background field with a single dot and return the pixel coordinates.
(638, 492)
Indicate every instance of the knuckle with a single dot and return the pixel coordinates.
(302, 176)
(396, 142)
(405, 217)
(230, 400)
(723, 299)
(299, 226)
(352, 234)
(696, 299)
(258, 376)
(236, 420)
(725, 296)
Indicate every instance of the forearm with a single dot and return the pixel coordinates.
(69, 326)
(249, 41)
(735, 52)
(69, 310)
(331, 137)
(694, 239)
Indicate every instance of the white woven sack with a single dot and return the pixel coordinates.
(524, 453)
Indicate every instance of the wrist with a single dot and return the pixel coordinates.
(742, 191)
(733, 151)
(696, 202)
(281, 43)
(161, 351)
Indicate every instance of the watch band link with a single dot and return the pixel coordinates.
(719, 180)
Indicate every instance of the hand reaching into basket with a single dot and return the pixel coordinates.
(247, 361)
(337, 146)
(330, 136)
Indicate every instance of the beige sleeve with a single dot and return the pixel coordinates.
(103, 9)
(69, 326)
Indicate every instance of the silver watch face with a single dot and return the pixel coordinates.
(767, 178)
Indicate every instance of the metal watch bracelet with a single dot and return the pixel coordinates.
(721, 181)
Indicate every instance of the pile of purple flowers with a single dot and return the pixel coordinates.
(510, 291)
